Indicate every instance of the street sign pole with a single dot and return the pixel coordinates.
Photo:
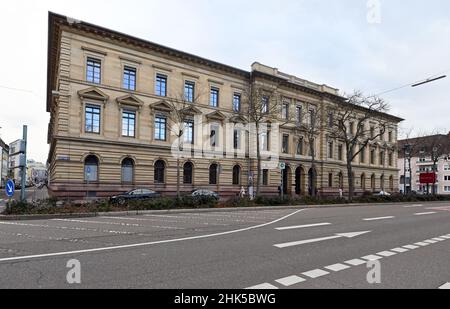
(24, 167)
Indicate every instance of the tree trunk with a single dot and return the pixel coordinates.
(259, 164)
(351, 182)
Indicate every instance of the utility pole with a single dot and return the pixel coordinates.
(24, 167)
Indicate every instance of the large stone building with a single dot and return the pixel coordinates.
(110, 98)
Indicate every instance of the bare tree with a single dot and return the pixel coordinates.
(181, 108)
(310, 121)
(263, 104)
(350, 125)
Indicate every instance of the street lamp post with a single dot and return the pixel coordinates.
(407, 155)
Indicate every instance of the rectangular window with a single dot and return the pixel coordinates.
(189, 91)
(265, 105)
(372, 156)
(285, 146)
(391, 136)
(189, 131)
(330, 180)
(92, 116)
(214, 136)
(265, 177)
(362, 156)
(128, 123)
(160, 128)
(446, 178)
(340, 152)
(129, 78)
(237, 102)
(330, 150)
(299, 114)
(237, 139)
(93, 70)
(285, 111)
(382, 158)
(372, 132)
(214, 101)
(391, 159)
(312, 118)
(264, 141)
(300, 147)
(447, 167)
(161, 85)
(447, 189)
(352, 128)
(330, 120)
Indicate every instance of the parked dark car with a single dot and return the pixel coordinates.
(138, 194)
(201, 194)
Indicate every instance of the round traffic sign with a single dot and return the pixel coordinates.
(10, 188)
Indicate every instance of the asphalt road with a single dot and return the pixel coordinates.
(284, 249)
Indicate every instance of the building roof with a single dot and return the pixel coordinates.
(423, 145)
(56, 21)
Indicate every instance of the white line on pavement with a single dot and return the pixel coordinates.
(289, 281)
(386, 253)
(310, 241)
(411, 247)
(316, 273)
(380, 218)
(337, 267)
(18, 258)
(413, 206)
(372, 257)
(424, 213)
(264, 286)
(445, 286)
(356, 262)
(422, 244)
(400, 250)
(301, 226)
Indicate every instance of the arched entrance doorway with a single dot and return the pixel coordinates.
(299, 181)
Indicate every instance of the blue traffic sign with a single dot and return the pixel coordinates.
(10, 188)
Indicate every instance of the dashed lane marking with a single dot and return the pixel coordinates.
(289, 281)
(264, 286)
(425, 213)
(316, 273)
(337, 267)
(301, 226)
(445, 286)
(422, 244)
(378, 219)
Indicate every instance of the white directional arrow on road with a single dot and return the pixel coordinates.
(310, 241)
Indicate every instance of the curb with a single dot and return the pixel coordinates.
(206, 210)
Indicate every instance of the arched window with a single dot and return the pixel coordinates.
(363, 182)
(187, 173)
(213, 174)
(160, 168)
(372, 182)
(127, 170)
(91, 169)
(236, 175)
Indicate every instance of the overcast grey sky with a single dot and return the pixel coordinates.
(325, 41)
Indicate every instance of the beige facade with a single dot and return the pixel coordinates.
(95, 152)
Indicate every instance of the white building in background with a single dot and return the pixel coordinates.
(4, 157)
(421, 162)
(36, 172)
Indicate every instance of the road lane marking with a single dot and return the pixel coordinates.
(445, 286)
(289, 281)
(380, 218)
(310, 241)
(301, 226)
(337, 267)
(29, 257)
(400, 250)
(422, 244)
(413, 206)
(411, 247)
(425, 213)
(264, 286)
(316, 273)
(356, 262)
(438, 239)
(372, 257)
(386, 253)
(97, 222)
(430, 241)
